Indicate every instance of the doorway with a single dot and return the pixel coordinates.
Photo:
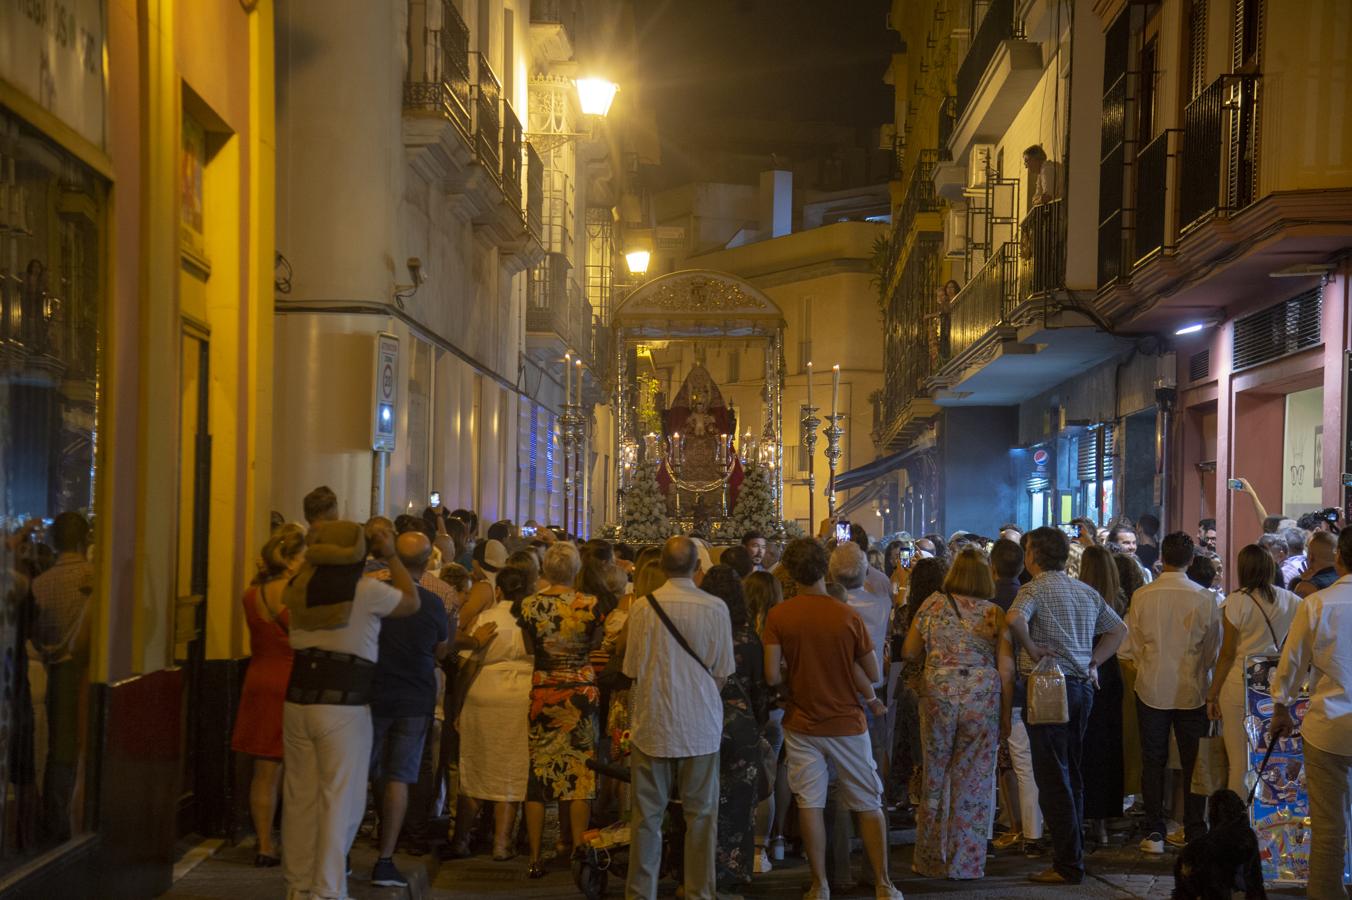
(190, 609)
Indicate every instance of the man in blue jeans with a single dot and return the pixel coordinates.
(403, 694)
(1056, 615)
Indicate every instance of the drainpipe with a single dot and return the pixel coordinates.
(1166, 400)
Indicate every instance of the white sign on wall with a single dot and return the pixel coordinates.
(385, 396)
(52, 50)
(1303, 452)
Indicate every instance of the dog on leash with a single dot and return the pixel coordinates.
(1225, 860)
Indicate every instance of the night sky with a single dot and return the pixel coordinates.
(796, 60)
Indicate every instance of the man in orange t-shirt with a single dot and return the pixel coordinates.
(819, 648)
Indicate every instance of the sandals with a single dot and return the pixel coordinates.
(535, 870)
(263, 861)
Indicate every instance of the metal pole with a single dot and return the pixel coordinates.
(377, 483)
(567, 453)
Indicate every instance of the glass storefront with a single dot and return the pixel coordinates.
(52, 211)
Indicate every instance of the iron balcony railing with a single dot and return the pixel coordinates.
(913, 339)
(1220, 138)
(438, 70)
(997, 26)
(535, 189)
(948, 121)
(511, 155)
(487, 117)
(556, 305)
(986, 301)
(1042, 249)
(919, 195)
(1152, 195)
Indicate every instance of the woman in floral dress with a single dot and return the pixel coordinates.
(745, 709)
(560, 625)
(956, 631)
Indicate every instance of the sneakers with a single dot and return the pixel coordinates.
(760, 864)
(386, 874)
(1153, 844)
(887, 892)
(1177, 838)
(817, 892)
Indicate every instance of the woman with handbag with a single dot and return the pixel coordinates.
(1257, 617)
(742, 779)
(1102, 742)
(956, 632)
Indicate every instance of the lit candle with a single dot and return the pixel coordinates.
(835, 388)
(809, 382)
(567, 378)
(722, 448)
(578, 363)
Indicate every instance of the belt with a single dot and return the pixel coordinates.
(330, 678)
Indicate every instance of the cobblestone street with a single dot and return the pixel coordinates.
(1117, 871)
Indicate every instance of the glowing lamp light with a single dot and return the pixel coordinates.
(595, 95)
(1191, 328)
(638, 260)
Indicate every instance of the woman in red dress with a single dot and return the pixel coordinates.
(258, 726)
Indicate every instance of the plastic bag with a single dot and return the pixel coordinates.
(1047, 704)
(1212, 769)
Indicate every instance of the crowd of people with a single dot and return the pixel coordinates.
(450, 686)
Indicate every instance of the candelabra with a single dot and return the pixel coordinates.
(809, 424)
(833, 433)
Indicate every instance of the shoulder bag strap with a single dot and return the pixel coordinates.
(957, 612)
(1271, 631)
(675, 632)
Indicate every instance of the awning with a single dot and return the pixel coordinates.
(872, 492)
(862, 475)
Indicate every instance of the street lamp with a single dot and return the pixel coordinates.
(637, 260)
(595, 95)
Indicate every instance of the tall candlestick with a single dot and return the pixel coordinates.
(567, 378)
(809, 382)
(835, 388)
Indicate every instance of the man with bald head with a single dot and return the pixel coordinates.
(676, 719)
(404, 693)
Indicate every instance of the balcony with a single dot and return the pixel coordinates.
(558, 317)
(553, 27)
(918, 214)
(438, 80)
(1205, 233)
(996, 77)
(535, 187)
(487, 117)
(1006, 342)
(986, 302)
(912, 344)
(511, 155)
(1220, 135)
(1042, 264)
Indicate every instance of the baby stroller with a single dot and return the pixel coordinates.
(605, 850)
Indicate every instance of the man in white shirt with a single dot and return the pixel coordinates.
(1173, 637)
(676, 720)
(1318, 641)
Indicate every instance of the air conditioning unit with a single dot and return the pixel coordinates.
(955, 232)
(979, 165)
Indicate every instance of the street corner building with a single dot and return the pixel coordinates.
(1117, 271)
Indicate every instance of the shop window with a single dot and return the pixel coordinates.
(1303, 452)
(52, 212)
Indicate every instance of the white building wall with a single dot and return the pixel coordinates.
(351, 212)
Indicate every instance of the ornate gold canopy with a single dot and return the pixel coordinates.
(697, 303)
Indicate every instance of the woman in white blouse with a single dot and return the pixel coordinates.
(1257, 618)
(493, 724)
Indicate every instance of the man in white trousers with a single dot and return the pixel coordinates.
(326, 723)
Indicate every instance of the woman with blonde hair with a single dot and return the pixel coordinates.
(560, 624)
(956, 632)
(1104, 783)
(258, 725)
